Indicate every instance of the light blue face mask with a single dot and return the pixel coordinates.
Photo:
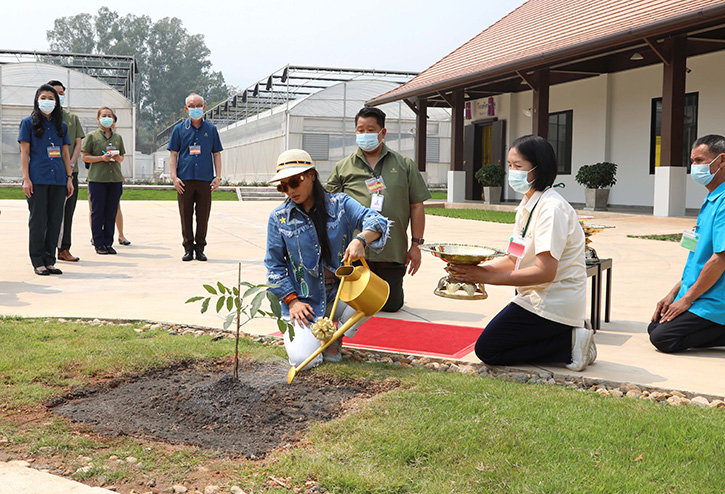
(701, 173)
(367, 142)
(46, 105)
(62, 99)
(106, 122)
(196, 113)
(518, 180)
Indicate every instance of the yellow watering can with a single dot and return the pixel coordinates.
(362, 290)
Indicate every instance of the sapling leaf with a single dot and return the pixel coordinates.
(235, 291)
(282, 326)
(252, 290)
(230, 302)
(222, 288)
(274, 304)
(256, 303)
(229, 320)
(205, 304)
(210, 289)
(237, 303)
(220, 303)
(194, 299)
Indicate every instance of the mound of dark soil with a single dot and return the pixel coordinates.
(207, 408)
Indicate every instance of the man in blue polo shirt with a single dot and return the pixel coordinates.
(195, 164)
(692, 315)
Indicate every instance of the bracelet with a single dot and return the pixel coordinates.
(289, 298)
(362, 239)
(69, 176)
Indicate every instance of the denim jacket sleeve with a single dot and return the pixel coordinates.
(362, 218)
(275, 259)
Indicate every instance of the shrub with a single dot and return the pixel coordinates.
(597, 176)
(490, 175)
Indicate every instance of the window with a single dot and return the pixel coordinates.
(560, 129)
(690, 131)
(318, 145)
(432, 149)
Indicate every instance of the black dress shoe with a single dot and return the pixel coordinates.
(110, 250)
(188, 256)
(41, 270)
(54, 270)
(101, 250)
(200, 256)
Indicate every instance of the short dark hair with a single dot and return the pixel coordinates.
(56, 83)
(370, 111)
(540, 154)
(715, 143)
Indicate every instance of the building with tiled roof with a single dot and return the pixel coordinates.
(632, 82)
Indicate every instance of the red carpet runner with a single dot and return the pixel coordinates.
(421, 338)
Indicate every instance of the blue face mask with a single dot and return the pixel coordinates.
(701, 173)
(196, 113)
(46, 105)
(106, 122)
(62, 99)
(518, 180)
(367, 142)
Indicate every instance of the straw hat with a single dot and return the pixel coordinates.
(292, 162)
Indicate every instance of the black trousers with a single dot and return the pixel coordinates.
(196, 198)
(517, 336)
(70, 209)
(685, 331)
(46, 215)
(105, 197)
(393, 273)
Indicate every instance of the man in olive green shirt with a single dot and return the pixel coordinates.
(379, 178)
(104, 150)
(75, 133)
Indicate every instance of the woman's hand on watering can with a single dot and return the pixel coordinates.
(355, 250)
(301, 313)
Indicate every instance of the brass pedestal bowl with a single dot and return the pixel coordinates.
(472, 255)
(590, 254)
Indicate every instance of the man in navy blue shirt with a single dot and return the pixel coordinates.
(195, 164)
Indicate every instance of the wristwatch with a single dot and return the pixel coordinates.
(418, 241)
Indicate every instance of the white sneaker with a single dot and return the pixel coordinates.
(582, 339)
(592, 353)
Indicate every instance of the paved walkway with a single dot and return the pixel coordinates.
(147, 280)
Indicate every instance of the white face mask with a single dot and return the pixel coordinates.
(701, 173)
(46, 105)
(519, 180)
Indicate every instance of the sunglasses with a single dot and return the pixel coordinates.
(292, 183)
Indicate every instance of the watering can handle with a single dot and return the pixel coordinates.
(362, 259)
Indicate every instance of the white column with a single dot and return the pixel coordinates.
(670, 190)
(456, 186)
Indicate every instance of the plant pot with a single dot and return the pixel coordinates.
(597, 199)
(491, 195)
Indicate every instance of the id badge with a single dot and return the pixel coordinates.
(375, 185)
(516, 247)
(194, 150)
(53, 151)
(689, 240)
(112, 150)
(377, 202)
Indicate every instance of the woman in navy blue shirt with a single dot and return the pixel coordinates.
(47, 176)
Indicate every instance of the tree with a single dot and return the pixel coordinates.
(171, 62)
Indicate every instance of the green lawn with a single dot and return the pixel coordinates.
(128, 194)
(474, 214)
(439, 194)
(666, 237)
(437, 433)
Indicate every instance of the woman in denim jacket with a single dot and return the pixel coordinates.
(308, 238)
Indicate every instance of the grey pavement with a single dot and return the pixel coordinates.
(147, 280)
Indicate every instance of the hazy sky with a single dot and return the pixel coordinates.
(251, 39)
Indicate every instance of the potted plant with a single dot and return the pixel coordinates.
(491, 177)
(597, 179)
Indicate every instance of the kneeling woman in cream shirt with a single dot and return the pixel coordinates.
(545, 320)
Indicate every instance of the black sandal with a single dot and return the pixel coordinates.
(41, 271)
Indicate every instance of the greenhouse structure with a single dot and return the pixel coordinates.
(84, 95)
(255, 128)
